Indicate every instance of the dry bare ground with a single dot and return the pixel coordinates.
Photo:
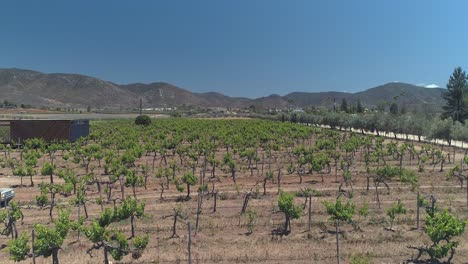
(222, 236)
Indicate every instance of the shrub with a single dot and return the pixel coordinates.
(143, 120)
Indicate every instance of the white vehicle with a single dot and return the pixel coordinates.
(6, 194)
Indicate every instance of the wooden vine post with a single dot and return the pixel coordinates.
(189, 246)
(215, 201)
(310, 212)
(337, 243)
(199, 200)
(32, 239)
(417, 212)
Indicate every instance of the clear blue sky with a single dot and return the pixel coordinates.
(241, 48)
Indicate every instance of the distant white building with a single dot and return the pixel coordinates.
(161, 109)
(218, 109)
(298, 110)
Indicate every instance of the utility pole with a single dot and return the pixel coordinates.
(141, 106)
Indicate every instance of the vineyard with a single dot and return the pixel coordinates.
(233, 191)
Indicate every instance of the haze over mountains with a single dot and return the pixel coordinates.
(74, 90)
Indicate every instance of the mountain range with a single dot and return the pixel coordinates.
(75, 90)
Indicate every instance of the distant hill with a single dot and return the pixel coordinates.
(402, 93)
(221, 100)
(74, 90)
(303, 99)
(161, 94)
(271, 101)
(412, 96)
(60, 90)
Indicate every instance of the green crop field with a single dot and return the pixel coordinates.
(249, 191)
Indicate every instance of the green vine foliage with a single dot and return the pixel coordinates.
(396, 209)
(49, 240)
(441, 229)
(18, 248)
(339, 211)
(101, 233)
(9, 217)
(119, 245)
(287, 206)
(290, 210)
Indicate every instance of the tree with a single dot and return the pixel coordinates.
(381, 106)
(457, 91)
(143, 120)
(359, 109)
(394, 109)
(441, 129)
(344, 105)
(290, 210)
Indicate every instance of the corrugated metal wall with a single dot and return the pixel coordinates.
(78, 128)
(49, 130)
